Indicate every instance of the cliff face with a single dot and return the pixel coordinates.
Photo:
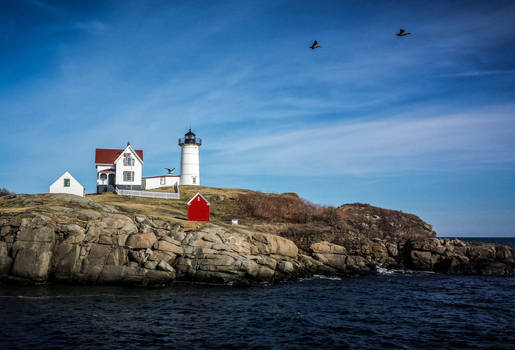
(66, 238)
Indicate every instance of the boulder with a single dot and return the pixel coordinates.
(141, 240)
(32, 263)
(5, 260)
(66, 260)
(164, 266)
(167, 246)
(263, 243)
(286, 267)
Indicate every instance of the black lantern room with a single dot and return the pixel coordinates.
(190, 139)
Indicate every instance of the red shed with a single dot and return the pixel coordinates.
(198, 208)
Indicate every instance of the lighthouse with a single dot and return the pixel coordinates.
(190, 173)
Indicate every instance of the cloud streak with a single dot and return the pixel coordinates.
(399, 145)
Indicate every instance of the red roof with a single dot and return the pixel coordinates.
(108, 156)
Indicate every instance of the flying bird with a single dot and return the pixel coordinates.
(402, 32)
(315, 45)
(170, 171)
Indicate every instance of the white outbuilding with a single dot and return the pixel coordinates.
(151, 182)
(66, 183)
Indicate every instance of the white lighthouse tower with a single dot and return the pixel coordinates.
(190, 173)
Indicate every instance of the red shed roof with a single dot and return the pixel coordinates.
(108, 156)
(195, 196)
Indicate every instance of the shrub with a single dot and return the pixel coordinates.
(287, 207)
(5, 192)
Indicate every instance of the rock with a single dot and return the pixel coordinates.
(32, 263)
(141, 240)
(164, 266)
(421, 260)
(168, 246)
(94, 262)
(66, 261)
(140, 218)
(5, 230)
(121, 239)
(5, 260)
(93, 232)
(258, 272)
(118, 256)
(87, 242)
(271, 244)
(116, 221)
(39, 229)
(392, 248)
(87, 214)
(139, 256)
(285, 266)
(73, 230)
(128, 228)
(106, 239)
(161, 224)
(326, 247)
(151, 265)
(162, 255)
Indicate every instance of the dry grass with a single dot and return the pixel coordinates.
(15, 210)
(284, 214)
(223, 204)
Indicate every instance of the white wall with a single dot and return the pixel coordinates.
(103, 167)
(75, 187)
(120, 168)
(155, 182)
(190, 165)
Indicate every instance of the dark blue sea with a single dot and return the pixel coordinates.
(388, 311)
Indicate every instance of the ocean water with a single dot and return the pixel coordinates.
(390, 311)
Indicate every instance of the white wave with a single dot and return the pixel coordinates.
(322, 277)
(384, 271)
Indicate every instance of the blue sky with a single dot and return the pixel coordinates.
(423, 123)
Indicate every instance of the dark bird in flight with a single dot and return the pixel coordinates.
(402, 32)
(315, 45)
(170, 171)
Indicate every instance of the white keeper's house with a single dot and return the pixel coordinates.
(122, 168)
(118, 168)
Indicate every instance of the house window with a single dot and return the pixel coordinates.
(128, 176)
(128, 161)
(66, 182)
(194, 179)
(162, 181)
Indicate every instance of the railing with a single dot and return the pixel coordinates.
(149, 194)
(194, 141)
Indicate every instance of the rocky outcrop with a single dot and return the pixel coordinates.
(70, 239)
(81, 243)
(455, 256)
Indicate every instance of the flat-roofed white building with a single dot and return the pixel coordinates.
(151, 182)
(66, 183)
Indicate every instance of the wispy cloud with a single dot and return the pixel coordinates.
(421, 143)
(481, 73)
